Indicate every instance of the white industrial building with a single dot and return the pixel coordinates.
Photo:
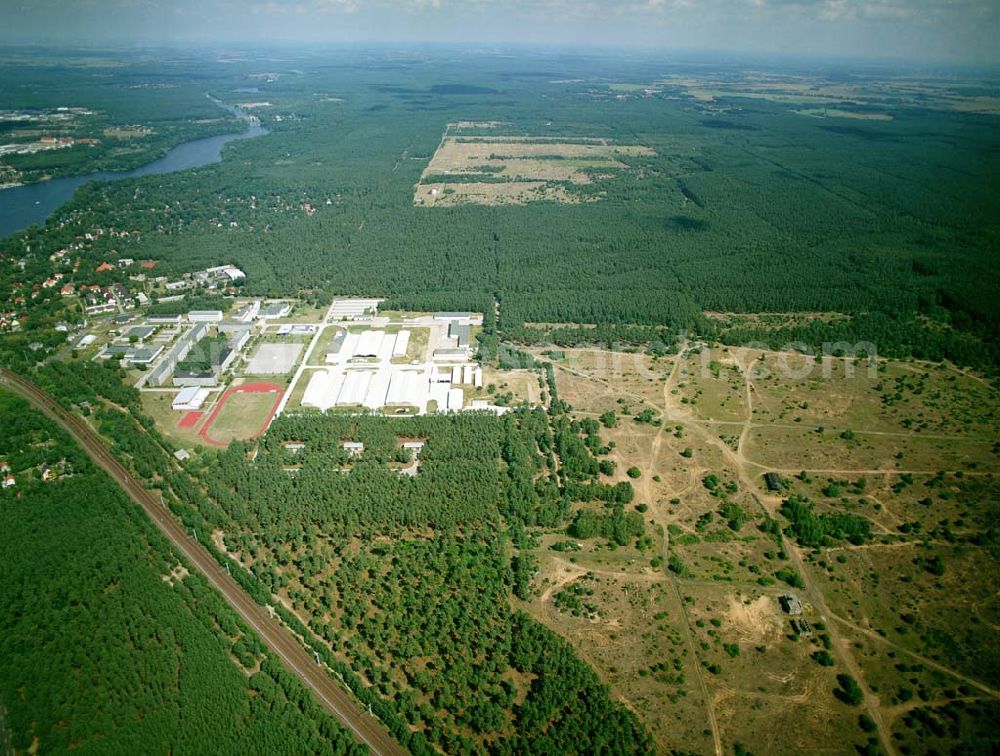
(365, 370)
(223, 272)
(407, 387)
(297, 330)
(355, 388)
(378, 387)
(372, 345)
(347, 347)
(323, 389)
(190, 398)
(369, 388)
(249, 313)
(275, 310)
(439, 395)
(238, 339)
(451, 355)
(402, 344)
(369, 344)
(205, 316)
(354, 309)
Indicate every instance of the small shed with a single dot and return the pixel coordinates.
(790, 604)
(773, 481)
(354, 447)
(189, 399)
(803, 628)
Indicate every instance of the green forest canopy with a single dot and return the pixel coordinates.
(137, 657)
(892, 223)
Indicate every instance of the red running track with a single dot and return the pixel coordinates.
(190, 420)
(261, 387)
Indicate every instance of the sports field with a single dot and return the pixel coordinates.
(190, 419)
(275, 359)
(243, 412)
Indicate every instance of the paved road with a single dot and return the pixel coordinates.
(276, 636)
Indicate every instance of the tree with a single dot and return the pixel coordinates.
(849, 691)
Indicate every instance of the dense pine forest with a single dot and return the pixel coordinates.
(392, 579)
(139, 655)
(403, 577)
(881, 231)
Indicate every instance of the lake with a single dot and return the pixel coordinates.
(22, 206)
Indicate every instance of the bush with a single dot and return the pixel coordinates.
(849, 691)
(822, 658)
(676, 566)
(791, 577)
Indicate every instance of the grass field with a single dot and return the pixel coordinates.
(170, 422)
(516, 170)
(687, 629)
(242, 413)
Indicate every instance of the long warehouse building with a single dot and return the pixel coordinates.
(370, 344)
(323, 389)
(355, 388)
(407, 387)
(377, 389)
(402, 344)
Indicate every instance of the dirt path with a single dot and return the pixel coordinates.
(748, 473)
(748, 424)
(769, 505)
(570, 572)
(891, 434)
(569, 567)
(672, 579)
(919, 657)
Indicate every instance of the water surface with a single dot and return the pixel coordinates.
(21, 206)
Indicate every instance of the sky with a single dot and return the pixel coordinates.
(965, 31)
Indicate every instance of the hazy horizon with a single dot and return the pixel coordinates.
(933, 31)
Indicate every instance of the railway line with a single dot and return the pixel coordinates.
(278, 638)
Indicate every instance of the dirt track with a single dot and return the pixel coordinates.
(276, 636)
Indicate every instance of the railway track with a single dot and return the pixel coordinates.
(278, 638)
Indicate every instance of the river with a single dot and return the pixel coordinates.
(21, 206)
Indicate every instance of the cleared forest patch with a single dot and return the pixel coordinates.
(514, 170)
